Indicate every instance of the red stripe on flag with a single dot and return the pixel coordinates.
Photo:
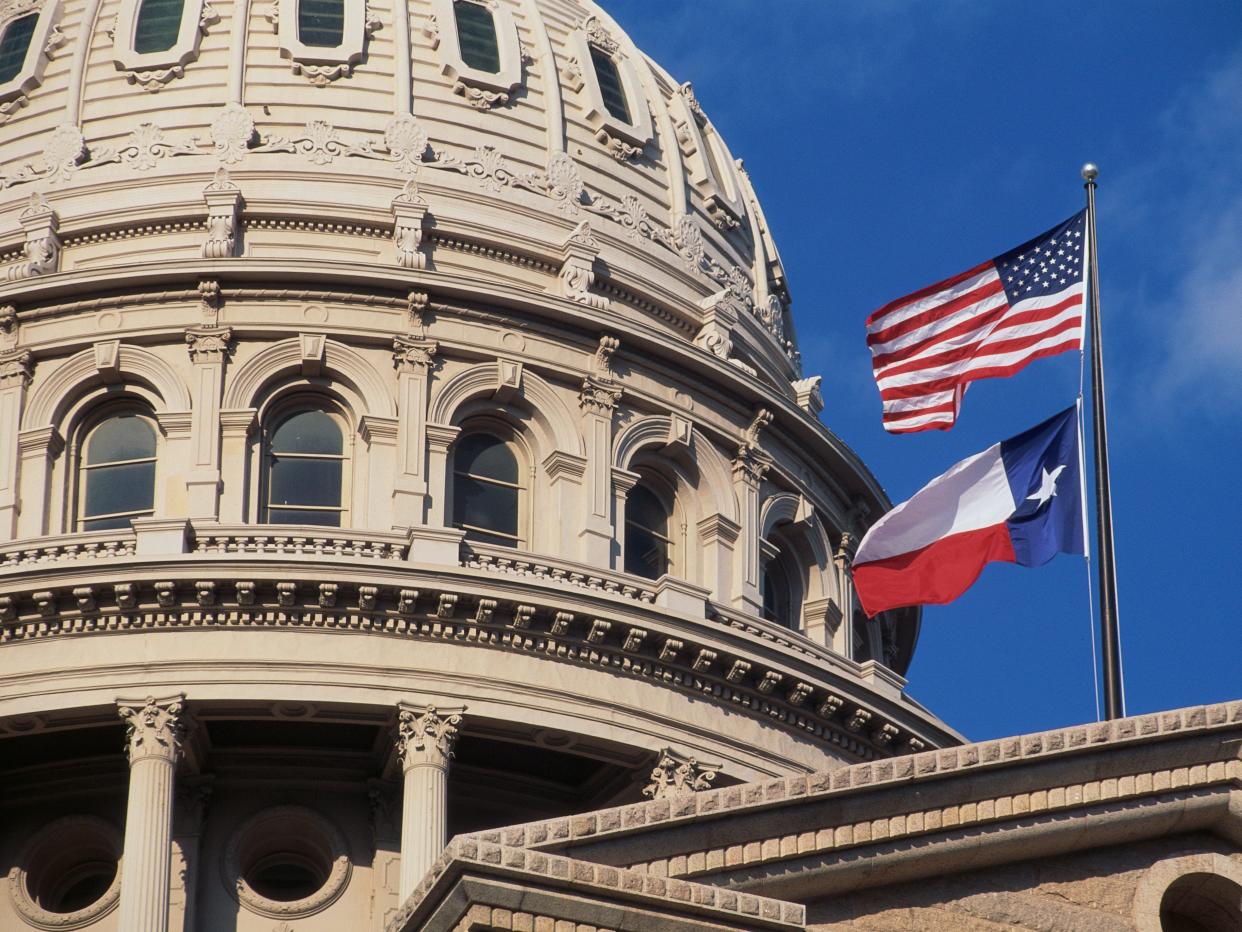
(929, 290)
(934, 575)
(931, 315)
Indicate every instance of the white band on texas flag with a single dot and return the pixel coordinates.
(1018, 501)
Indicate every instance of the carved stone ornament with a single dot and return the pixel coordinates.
(808, 394)
(599, 397)
(426, 737)
(223, 205)
(414, 356)
(564, 184)
(208, 344)
(577, 274)
(154, 729)
(598, 36)
(752, 462)
(16, 367)
(407, 142)
(409, 212)
(601, 365)
(675, 775)
(232, 132)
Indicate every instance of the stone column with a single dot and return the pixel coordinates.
(414, 358)
(425, 739)
(439, 438)
(622, 481)
(237, 499)
(153, 742)
(16, 369)
(38, 449)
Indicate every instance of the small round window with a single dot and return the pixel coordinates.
(69, 875)
(287, 861)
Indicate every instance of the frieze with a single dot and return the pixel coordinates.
(455, 617)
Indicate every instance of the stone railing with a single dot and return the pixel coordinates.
(516, 563)
(299, 541)
(92, 545)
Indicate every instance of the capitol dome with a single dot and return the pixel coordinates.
(402, 434)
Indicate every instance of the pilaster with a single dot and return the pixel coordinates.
(426, 736)
(37, 449)
(155, 731)
(208, 347)
(749, 467)
(16, 371)
(439, 438)
(415, 358)
(236, 429)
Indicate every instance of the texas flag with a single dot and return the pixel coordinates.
(1019, 501)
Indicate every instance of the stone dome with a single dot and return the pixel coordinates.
(379, 383)
(394, 123)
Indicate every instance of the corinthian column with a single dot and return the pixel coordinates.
(153, 743)
(425, 739)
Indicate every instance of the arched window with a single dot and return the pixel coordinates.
(116, 472)
(321, 23)
(306, 469)
(487, 490)
(611, 87)
(648, 542)
(476, 36)
(14, 43)
(159, 24)
(780, 601)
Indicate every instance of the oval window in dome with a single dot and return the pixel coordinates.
(321, 23)
(14, 44)
(159, 24)
(476, 35)
(610, 86)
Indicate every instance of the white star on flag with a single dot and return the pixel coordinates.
(1047, 486)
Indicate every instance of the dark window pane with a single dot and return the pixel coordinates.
(645, 554)
(778, 601)
(124, 437)
(308, 432)
(14, 44)
(644, 508)
(293, 481)
(476, 30)
(296, 516)
(159, 21)
(113, 489)
(321, 23)
(484, 505)
(610, 86)
(487, 456)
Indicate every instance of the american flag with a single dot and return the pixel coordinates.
(987, 322)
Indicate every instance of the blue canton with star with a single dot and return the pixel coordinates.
(1046, 265)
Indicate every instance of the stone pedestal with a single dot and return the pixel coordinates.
(153, 743)
(425, 739)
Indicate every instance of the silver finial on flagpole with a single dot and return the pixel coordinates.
(1090, 172)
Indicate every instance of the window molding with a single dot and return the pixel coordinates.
(504, 432)
(711, 169)
(281, 410)
(47, 38)
(480, 89)
(622, 140)
(321, 64)
(154, 70)
(79, 472)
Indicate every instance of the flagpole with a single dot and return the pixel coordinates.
(1114, 701)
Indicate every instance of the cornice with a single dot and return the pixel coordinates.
(727, 666)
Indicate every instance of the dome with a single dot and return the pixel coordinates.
(401, 434)
(392, 124)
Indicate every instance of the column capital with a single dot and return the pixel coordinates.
(426, 735)
(414, 356)
(846, 550)
(154, 727)
(16, 368)
(208, 344)
(675, 774)
(599, 396)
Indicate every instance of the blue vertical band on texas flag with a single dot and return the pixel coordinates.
(1039, 530)
(1019, 501)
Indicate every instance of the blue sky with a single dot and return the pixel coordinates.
(894, 143)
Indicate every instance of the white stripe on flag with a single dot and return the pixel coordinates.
(914, 308)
